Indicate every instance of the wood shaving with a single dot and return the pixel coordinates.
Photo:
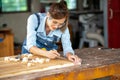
(27, 59)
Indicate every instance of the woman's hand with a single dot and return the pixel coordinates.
(52, 54)
(74, 58)
(43, 52)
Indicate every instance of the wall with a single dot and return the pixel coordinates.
(17, 21)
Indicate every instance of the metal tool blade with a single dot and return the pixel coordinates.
(60, 57)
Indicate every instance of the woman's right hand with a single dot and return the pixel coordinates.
(52, 54)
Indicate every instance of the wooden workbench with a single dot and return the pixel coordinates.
(95, 64)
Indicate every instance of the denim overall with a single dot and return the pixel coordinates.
(42, 43)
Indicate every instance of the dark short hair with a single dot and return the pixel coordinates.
(59, 10)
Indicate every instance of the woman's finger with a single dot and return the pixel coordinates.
(55, 52)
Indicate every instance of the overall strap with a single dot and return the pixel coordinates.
(24, 50)
(38, 18)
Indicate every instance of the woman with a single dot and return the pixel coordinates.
(52, 28)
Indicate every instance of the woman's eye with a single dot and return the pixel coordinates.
(54, 22)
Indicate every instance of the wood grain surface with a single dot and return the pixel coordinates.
(11, 68)
(96, 63)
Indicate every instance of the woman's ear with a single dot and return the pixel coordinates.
(48, 16)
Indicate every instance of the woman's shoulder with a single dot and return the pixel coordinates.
(39, 14)
(35, 16)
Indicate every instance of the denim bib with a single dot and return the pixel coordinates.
(42, 43)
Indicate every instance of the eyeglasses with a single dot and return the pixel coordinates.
(59, 25)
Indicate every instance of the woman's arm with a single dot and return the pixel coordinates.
(67, 48)
(31, 40)
(50, 54)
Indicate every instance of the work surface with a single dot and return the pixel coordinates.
(96, 63)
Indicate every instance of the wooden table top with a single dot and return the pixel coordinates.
(95, 63)
(93, 57)
(5, 29)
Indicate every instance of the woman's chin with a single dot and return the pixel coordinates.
(52, 29)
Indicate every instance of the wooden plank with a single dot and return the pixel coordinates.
(87, 74)
(96, 63)
(9, 69)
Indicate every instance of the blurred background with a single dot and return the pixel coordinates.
(92, 23)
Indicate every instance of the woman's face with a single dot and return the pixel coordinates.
(55, 23)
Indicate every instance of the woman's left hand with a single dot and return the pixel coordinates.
(74, 58)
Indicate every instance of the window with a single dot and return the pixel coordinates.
(14, 5)
(71, 4)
